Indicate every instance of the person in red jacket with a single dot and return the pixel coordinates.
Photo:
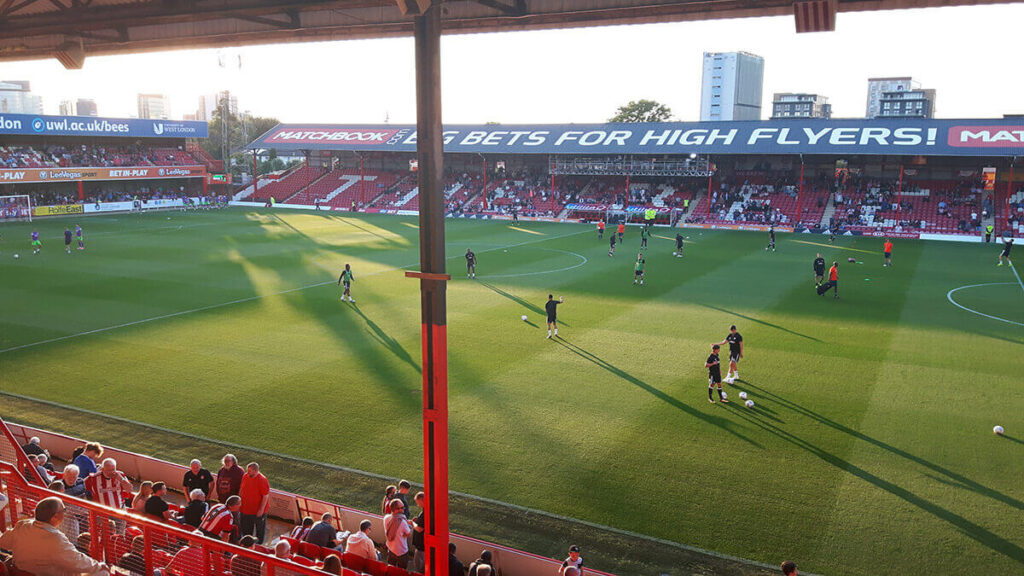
(833, 280)
(600, 229)
(887, 249)
(622, 232)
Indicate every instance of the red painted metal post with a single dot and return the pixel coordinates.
(307, 171)
(709, 192)
(626, 203)
(433, 287)
(800, 195)
(483, 164)
(1009, 194)
(147, 549)
(362, 183)
(899, 197)
(81, 190)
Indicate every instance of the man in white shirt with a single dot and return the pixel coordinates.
(360, 543)
(397, 529)
(39, 547)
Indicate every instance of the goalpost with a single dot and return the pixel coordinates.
(15, 208)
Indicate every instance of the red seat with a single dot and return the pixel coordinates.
(375, 568)
(302, 560)
(261, 548)
(347, 572)
(309, 550)
(353, 561)
(396, 571)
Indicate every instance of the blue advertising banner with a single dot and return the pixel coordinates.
(907, 137)
(32, 125)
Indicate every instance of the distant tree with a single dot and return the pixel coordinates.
(642, 111)
(240, 131)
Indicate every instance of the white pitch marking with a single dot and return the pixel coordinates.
(949, 296)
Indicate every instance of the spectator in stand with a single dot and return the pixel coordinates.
(219, 522)
(360, 542)
(244, 565)
(484, 570)
(156, 507)
(134, 561)
(255, 494)
(300, 530)
(44, 461)
(3, 501)
(332, 565)
(86, 461)
(389, 494)
(573, 561)
(396, 528)
(37, 462)
(229, 478)
(194, 511)
(455, 568)
(186, 561)
(107, 485)
(419, 558)
(38, 546)
(33, 447)
(403, 488)
(197, 477)
(789, 568)
(483, 560)
(323, 533)
(139, 502)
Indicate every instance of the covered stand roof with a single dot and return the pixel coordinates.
(71, 30)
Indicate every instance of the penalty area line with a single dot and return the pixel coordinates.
(1017, 275)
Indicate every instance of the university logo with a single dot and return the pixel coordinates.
(158, 128)
(38, 125)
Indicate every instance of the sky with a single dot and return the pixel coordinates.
(565, 76)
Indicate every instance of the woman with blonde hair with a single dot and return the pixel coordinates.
(139, 502)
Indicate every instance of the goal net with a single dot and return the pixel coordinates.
(15, 208)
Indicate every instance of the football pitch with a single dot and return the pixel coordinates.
(869, 447)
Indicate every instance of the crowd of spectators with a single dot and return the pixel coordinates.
(60, 156)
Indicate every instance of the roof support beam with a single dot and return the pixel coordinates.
(516, 9)
(293, 22)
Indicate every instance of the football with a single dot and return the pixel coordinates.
(998, 430)
(725, 396)
(16, 256)
(743, 395)
(749, 403)
(525, 318)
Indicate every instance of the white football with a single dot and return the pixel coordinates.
(725, 396)
(998, 430)
(749, 403)
(16, 256)
(743, 395)
(525, 318)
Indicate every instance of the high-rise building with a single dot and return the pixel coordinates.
(917, 103)
(16, 97)
(66, 108)
(154, 106)
(787, 105)
(878, 86)
(210, 102)
(732, 86)
(86, 107)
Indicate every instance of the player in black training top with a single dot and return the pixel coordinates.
(679, 246)
(470, 264)
(819, 270)
(771, 239)
(1005, 254)
(67, 240)
(735, 353)
(714, 367)
(552, 307)
(611, 242)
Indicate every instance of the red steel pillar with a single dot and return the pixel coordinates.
(433, 286)
(800, 195)
(899, 197)
(81, 190)
(1009, 194)
(710, 176)
(483, 164)
(362, 182)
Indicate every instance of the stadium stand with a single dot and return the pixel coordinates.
(289, 184)
(93, 156)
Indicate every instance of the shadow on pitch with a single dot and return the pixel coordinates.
(762, 322)
(977, 533)
(1013, 439)
(722, 423)
(531, 307)
(390, 343)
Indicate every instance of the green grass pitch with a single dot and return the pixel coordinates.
(870, 444)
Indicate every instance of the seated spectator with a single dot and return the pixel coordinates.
(38, 546)
(360, 542)
(219, 522)
(483, 560)
(323, 533)
(33, 448)
(187, 561)
(83, 542)
(156, 507)
(56, 486)
(86, 460)
(789, 569)
(44, 461)
(139, 502)
(197, 477)
(244, 565)
(194, 511)
(134, 561)
(455, 568)
(332, 565)
(37, 463)
(300, 531)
